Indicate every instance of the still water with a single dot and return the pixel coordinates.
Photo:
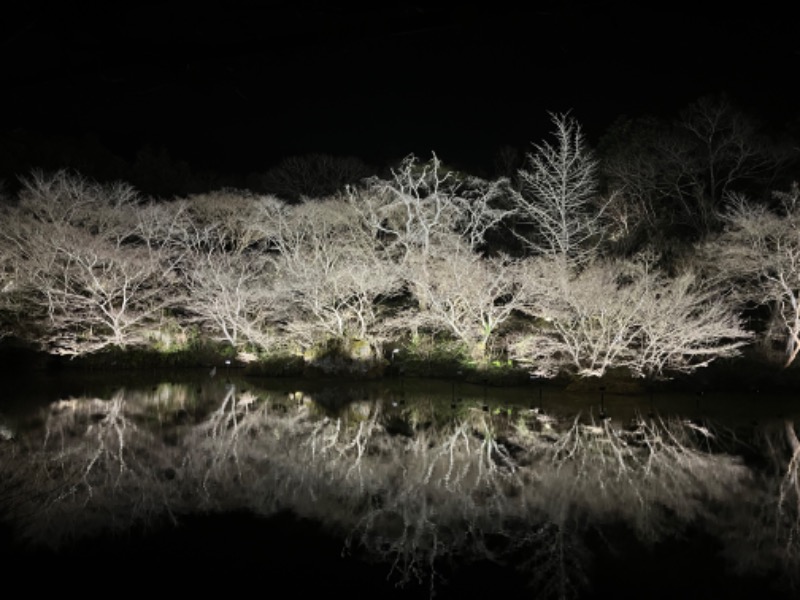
(398, 488)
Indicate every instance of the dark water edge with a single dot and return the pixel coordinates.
(285, 557)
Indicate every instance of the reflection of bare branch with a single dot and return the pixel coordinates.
(647, 476)
(789, 494)
(556, 560)
(476, 486)
(761, 530)
(449, 490)
(95, 469)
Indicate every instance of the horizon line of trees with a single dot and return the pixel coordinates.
(678, 247)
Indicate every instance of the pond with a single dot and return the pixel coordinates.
(398, 487)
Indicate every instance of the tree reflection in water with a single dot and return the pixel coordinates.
(519, 486)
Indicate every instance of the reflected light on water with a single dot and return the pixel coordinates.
(417, 486)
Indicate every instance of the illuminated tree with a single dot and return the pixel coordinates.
(331, 280)
(105, 210)
(464, 294)
(81, 275)
(231, 221)
(757, 259)
(90, 293)
(558, 198)
(624, 315)
(425, 204)
(234, 297)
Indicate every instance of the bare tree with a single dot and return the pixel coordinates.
(423, 204)
(558, 199)
(231, 221)
(670, 179)
(652, 171)
(66, 197)
(80, 270)
(627, 315)
(507, 161)
(223, 244)
(11, 305)
(729, 149)
(311, 176)
(235, 298)
(94, 293)
(467, 296)
(757, 258)
(332, 281)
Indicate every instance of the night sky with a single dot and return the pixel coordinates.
(234, 90)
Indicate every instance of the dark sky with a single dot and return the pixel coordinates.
(235, 89)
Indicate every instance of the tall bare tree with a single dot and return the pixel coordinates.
(729, 151)
(558, 197)
(669, 180)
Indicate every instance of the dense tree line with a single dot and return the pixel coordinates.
(646, 257)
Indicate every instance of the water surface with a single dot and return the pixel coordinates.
(401, 486)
